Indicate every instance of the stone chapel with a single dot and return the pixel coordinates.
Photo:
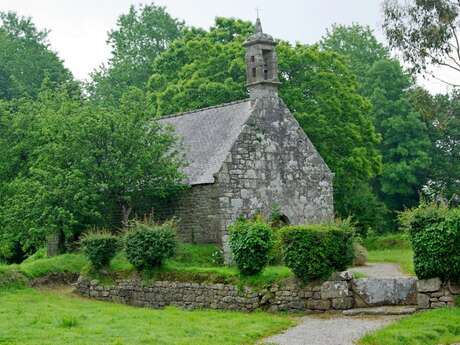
(247, 157)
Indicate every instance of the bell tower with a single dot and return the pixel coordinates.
(261, 64)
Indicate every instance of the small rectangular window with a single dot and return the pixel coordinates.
(254, 72)
(253, 58)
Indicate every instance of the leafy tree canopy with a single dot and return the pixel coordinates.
(73, 165)
(405, 145)
(425, 31)
(358, 44)
(140, 36)
(26, 59)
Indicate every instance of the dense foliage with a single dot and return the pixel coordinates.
(99, 247)
(435, 236)
(251, 243)
(147, 245)
(139, 37)
(316, 251)
(72, 165)
(26, 59)
(426, 32)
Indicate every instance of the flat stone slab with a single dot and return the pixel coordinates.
(393, 310)
(335, 330)
(373, 292)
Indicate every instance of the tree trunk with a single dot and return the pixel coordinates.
(125, 213)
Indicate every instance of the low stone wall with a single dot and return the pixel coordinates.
(341, 292)
(432, 294)
(287, 297)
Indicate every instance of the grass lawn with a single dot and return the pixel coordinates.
(33, 317)
(427, 328)
(403, 257)
(392, 248)
(191, 263)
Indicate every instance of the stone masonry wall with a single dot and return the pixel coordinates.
(197, 211)
(331, 295)
(341, 292)
(274, 163)
(432, 294)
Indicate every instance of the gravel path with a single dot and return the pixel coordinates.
(379, 270)
(338, 330)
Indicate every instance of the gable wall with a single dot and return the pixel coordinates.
(273, 162)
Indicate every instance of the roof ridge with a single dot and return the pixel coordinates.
(202, 109)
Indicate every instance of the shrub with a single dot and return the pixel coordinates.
(360, 254)
(99, 247)
(435, 236)
(147, 245)
(250, 242)
(315, 251)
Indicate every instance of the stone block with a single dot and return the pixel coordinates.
(386, 291)
(429, 285)
(454, 288)
(334, 289)
(446, 299)
(423, 301)
(436, 305)
(318, 304)
(342, 303)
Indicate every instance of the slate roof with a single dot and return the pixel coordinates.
(207, 136)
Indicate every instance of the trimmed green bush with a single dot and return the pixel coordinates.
(316, 251)
(100, 247)
(435, 236)
(147, 245)
(251, 243)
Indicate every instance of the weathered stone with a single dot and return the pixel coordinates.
(342, 303)
(454, 288)
(446, 299)
(394, 291)
(334, 289)
(319, 304)
(393, 310)
(437, 305)
(429, 285)
(423, 301)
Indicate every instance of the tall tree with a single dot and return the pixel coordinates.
(140, 36)
(426, 32)
(405, 143)
(441, 114)
(358, 44)
(26, 59)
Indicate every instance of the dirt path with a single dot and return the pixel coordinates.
(336, 330)
(379, 270)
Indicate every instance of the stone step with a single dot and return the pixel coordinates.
(384, 310)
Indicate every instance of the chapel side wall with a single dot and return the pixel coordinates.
(274, 163)
(197, 212)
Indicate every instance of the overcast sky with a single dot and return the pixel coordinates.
(79, 27)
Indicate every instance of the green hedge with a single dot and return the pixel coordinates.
(315, 251)
(435, 236)
(148, 245)
(99, 247)
(251, 243)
